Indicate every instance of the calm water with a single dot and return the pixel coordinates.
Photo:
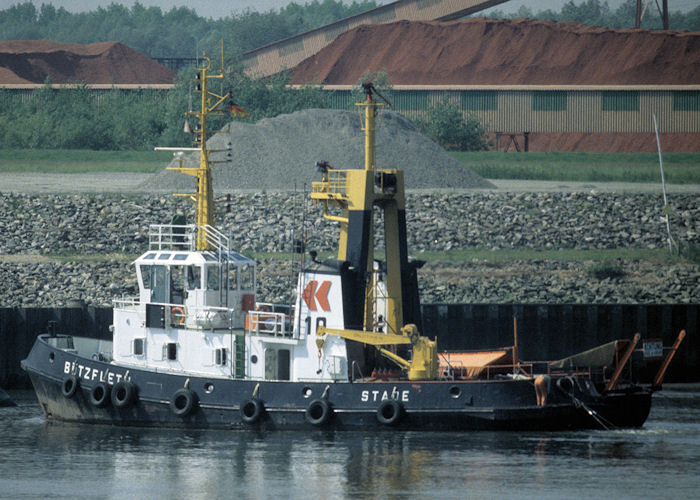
(50, 460)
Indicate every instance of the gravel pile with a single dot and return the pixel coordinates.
(278, 152)
(34, 226)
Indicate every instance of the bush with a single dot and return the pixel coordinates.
(446, 126)
(606, 270)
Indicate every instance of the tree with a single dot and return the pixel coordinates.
(446, 125)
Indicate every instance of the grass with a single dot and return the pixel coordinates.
(76, 161)
(679, 168)
(658, 256)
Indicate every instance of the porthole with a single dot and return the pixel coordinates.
(208, 387)
(253, 359)
(455, 391)
(306, 392)
(52, 356)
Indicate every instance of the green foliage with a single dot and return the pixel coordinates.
(599, 13)
(379, 79)
(606, 269)
(179, 32)
(78, 118)
(446, 125)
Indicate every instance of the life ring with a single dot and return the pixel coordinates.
(123, 394)
(70, 386)
(318, 412)
(177, 315)
(99, 395)
(251, 410)
(183, 402)
(389, 412)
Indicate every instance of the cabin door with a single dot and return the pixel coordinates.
(158, 282)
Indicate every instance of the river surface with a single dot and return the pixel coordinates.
(39, 459)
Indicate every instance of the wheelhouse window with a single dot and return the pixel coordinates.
(233, 278)
(247, 277)
(194, 277)
(177, 284)
(212, 277)
(145, 275)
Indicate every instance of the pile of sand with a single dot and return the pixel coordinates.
(506, 52)
(32, 61)
(278, 152)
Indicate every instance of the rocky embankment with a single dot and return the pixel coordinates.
(98, 234)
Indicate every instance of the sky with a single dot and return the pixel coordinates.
(223, 8)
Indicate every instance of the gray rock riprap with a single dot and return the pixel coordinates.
(276, 153)
(102, 224)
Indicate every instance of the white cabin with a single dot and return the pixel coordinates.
(196, 314)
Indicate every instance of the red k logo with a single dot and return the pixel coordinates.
(311, 295)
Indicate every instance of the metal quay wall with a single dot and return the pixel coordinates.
(545, 332)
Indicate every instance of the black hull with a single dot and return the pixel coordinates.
(216, 403)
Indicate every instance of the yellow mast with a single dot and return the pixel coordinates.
(204, 197)
(355, 193)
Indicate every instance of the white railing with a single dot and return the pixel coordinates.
(171, 237)
(126, 302)
(277, 324)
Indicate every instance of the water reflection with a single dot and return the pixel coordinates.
(83, 461)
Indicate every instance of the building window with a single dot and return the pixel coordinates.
(686, 101)
(625, 100)
(545, 100)
(479, 100)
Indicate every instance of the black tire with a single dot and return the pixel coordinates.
(123, 394)
(318, 412)
(99, 395)
(183, 402)
(70, 386)
(566, 385)
(252, 410)
(389, 412)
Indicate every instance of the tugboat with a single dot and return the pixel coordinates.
(196, 349)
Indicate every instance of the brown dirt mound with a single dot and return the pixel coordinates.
(506, 52)
(32, 61)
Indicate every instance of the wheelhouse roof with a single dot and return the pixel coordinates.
(188, 258)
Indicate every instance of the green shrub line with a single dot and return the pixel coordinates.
(679, 168)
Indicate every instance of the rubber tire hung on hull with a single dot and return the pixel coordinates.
(389, 412)
(183, 402)
(318, 412)
(99, 395)
(251, 410)
(70, 386)
(123, 394)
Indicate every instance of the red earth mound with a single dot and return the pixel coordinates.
(506, 52)
(32, 61)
